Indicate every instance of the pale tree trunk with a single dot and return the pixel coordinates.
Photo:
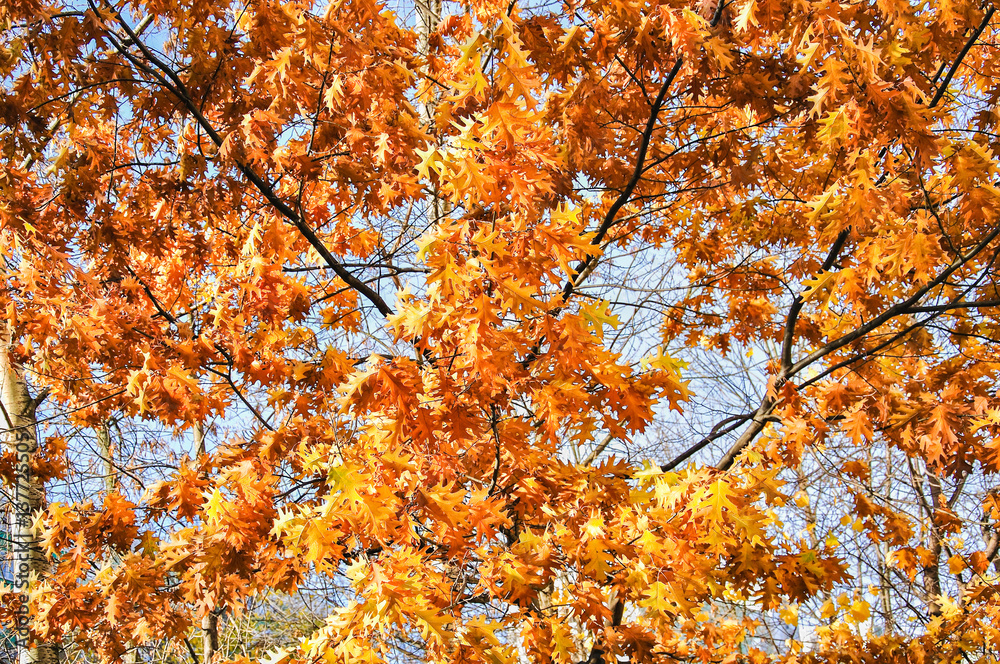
(107, 451)
(428, 18)
(884, 572)
(807, 634)
(104, 445)
(210, 621)
(930, 568)
(199, 439)
(209, 636)
(20, 433)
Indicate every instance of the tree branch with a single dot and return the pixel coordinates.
(718, 431)
(586, 266)
(169, 79)
(961, 56)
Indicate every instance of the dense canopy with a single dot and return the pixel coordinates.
(501, 332)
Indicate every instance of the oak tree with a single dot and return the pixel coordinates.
(574, 332)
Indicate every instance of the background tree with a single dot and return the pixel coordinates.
(27, 498)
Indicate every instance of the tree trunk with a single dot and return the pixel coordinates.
(209, 636)
(199, 440)
(428, 18)
(210, 621)
(18, 412)
(930, 566)
(104, 445)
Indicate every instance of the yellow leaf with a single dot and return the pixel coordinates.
(949, 607)
(663, 361)
(819, 205)
(432, 622)
(835, 126)
(425, 244)
(594, 527)
(820, 287)
(807, 54)
(276, 657)
(60, 159)
(597, 315)
(746, 17)
(719, 500)
(657, 597)
(214, 505)
(345, 481)
(429, 159)
(860, 611)
(648, 471)
(471, 47)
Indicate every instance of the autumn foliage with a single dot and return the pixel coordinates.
(419, 303)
